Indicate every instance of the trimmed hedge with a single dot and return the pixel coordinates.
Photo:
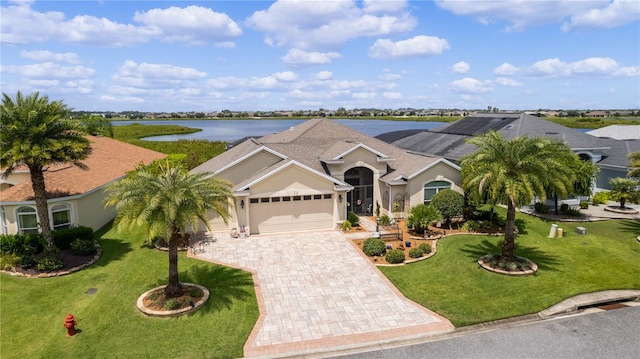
(21, 244)
(374, 247)
(541, 207)
(425, 247)
(416, 253)
(395, 256)
(62, 238)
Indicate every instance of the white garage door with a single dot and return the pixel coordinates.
(293, 213)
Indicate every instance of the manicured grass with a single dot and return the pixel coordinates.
(33, 310)
(452, 284)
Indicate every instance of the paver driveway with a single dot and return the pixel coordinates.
(316, 290)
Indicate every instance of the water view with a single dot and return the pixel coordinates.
(231, 130)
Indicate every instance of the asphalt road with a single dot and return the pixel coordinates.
(608, 334)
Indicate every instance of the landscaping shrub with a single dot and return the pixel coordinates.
(416, 253)
(345, 226)
(564, 208)
(353, 218)
(600, 198)
(8, 261)
(172, 304)
(584, 204)
(62, 238)
(425, 248)
(395, 256)
(471, 226)
(82, 247)
(541, 207)
(573, 212)
(49, 261)
(27, 261)
(385, 220)
(421, 216)
(450, 204)
(374, 247)
(20, 244)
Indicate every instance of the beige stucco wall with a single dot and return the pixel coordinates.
(291, 181)
(249, 166)
(439, 172)
(91, 212)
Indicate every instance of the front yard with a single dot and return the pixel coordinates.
(452, 284)
(33, 310)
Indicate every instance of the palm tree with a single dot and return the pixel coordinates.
(515, 171)
(634, 164)
(166, 202)
(34, 133)
(623, 190)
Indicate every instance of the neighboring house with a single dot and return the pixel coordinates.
(448, 141)
(309, 176)
(75, 196)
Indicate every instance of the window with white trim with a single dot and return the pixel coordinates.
(431, 188)
(61, 216)
(27, 220)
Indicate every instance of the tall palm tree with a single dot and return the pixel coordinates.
(515, 171)
(34, 133)
(634, 164)
(167, 202)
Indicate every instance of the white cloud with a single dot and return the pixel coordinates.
(192, 24)
(327, 24)
(420, 45)
(460, 68)
(471, 85)
(503, 81)
(522, 14)
(392, 95)
(297, 57)
(160, 76)
(364, 95)
(384, 5)
(286, 76)
(506, 69)
(324, 75)
(616, 13)
(389, 76)
(595, 66)
(43, 56)
(49, 70)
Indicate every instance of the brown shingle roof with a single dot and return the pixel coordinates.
(109, 160)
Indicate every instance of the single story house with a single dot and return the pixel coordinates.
(75, 196)
(309, 176)
(448, 140)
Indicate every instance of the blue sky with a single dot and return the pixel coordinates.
(290, 55)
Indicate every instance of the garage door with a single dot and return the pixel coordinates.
(294, 213)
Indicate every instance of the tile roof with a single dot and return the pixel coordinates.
(618, 132)
(316, 141)
(109, 160)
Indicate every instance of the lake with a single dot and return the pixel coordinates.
(232, 130)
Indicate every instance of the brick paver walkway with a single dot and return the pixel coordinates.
(316, 290)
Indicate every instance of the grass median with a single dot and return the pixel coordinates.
(33, 310)
(452, 284)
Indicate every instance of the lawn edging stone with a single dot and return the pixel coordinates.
(484, 263)
(172, 313)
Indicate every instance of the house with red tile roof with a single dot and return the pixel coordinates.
(75, 196)
(309, 176)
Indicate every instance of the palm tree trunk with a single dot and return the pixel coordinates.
(173, 289)
(40, 196)
(509, 243)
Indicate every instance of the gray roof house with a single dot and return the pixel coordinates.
(448, 141)
(309, 176)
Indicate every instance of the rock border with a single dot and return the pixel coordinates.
(172, 313)
(625, 210)
(63, 272)
(484, 263)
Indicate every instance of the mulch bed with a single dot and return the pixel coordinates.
(156, 300)
(69, 261)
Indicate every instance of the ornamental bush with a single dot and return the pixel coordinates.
(385, 220)
(600, 198)
(584, 204)
(374, 247)
(20, 244)
(49, 261)
(395, 256)
(425, 248)
(541, 207)
(345, 226)
(62, 238)
(471, 226)
(353, 218)
(416, 253)
(450, 204)
(82, 247)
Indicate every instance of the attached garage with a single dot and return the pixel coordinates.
(291, 213)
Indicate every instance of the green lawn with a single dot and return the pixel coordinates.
(452, 284)
(33, 310)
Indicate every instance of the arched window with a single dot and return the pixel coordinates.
(61, 215)
(431, 188)
(27, 220)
